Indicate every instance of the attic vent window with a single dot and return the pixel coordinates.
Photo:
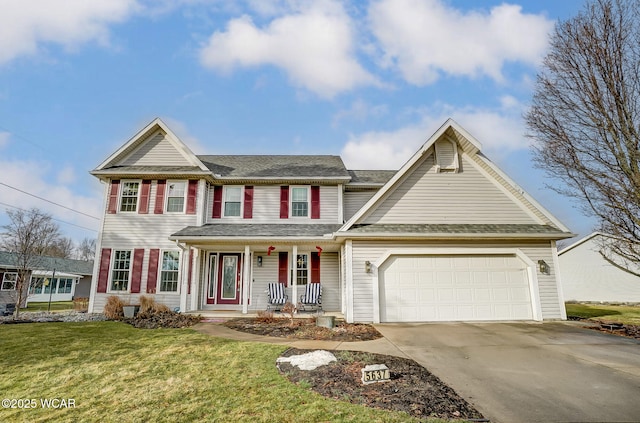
(446, 156)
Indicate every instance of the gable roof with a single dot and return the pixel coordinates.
(582, 241)
(113, 163)
(78, 267)
(452, 131)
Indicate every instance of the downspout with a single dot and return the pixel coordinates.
(184, 271)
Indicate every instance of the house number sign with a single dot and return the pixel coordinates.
(375, 373)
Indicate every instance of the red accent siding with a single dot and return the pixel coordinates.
(315, 202)
(248, 202)
(190, 271)
(217, 202)
(315, 267)
(144, 197)
(159, 209)
(136, 270)
(103, 275)
(284, 202)
(191, 197)
(152, 278)
(113, 197)
(283, 268)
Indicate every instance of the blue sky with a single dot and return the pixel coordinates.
(369, 81)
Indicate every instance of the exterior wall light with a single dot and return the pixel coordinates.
(543, 267)
(367, 266)
(259, 261)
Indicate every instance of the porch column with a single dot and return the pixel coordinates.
(246, 283)
(294, 276)
(349, 275)
(184, 280)
(195, 281)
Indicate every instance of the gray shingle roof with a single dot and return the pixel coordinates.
(257, 230)
(78, 267)
(371, 176)
(277, 166)
(457, 229)
(150, 169)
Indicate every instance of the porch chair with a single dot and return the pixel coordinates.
(276, 296)
(312, 297)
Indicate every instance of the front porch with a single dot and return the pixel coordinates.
(221, 315)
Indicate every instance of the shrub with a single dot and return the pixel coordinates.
(265, 317)
(113, 308)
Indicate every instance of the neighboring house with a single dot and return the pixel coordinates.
(72, 279)
(587, 276)
(448, 237)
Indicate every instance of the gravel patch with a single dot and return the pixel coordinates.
(64, 316)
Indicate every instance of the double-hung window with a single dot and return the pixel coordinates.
(176, 191)
(129, 196)
(169, 272)
(302, 269)
(9, 281)
(121, 270)
(232, 201)
(300, 201)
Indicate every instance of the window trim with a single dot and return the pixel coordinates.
(4, 277)
(223, 212)
(130, 270)
(184, 195)
(159, 277)
(121, 194)
(308, 189)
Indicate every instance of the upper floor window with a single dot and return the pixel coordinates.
(9, 281)
(176, 191)
(169, 272)
(129, 196)
(232, 201)
(121, 270)
(300, 201)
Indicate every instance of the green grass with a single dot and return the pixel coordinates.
(116, 373)
(44, 306)
(615, 313)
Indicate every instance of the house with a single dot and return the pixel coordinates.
(587, 276)
(72, 279)
(448, 237)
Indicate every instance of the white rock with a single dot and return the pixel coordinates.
(309, 361)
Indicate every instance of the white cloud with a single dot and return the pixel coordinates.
(360, 110)
(500, 131)
(425, 39)
(27, 25)
(313, 45)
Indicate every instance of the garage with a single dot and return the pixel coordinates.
(424, 288)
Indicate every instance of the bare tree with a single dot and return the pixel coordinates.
(29, 235)
(86, 250)
(63, 247)
(585, 118)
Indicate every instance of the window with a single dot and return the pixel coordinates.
(169, 272)
(175, 196)
(36, 285)
(64, 286)
(300, 201)
(129, 198)
(9, 281)
(302, 269)
(232, 201)
(50, 285)
(121, 270)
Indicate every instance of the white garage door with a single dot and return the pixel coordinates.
(454, 288)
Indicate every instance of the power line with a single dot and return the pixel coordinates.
(49, 201)
(16, 135)
(53, 218)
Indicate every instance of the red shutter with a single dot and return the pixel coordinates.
(283, 268)
(113, 197)
(217, 202)
(136, 270)
(248, 202)
(315, 202)
(152, 278)
(284, 202)
(315, 267)
(190, 271)
(191, 197)
(144, 197)
(160, 196)
(103, 276)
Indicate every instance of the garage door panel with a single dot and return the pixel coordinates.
(454, 288)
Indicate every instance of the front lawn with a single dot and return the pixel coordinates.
(612, 313)
(44, 306)
(115, 372)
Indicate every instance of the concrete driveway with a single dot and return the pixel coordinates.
(529, 372)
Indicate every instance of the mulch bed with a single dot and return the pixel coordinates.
(412, 388)
(163, 319)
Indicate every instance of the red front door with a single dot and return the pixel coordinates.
(229, 277)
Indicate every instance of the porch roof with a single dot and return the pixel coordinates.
(231, 230)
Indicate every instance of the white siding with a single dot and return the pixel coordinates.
(156, 150)
(354, 200)
(468, 196)
(372, 250)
